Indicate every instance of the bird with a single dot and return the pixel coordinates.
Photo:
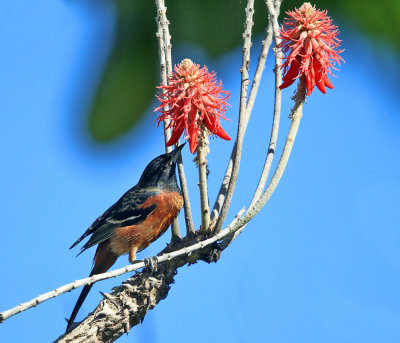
(136, 220)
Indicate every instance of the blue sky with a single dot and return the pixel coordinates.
(320, 263)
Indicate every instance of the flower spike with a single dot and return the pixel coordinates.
(310, 43)
(195, 101)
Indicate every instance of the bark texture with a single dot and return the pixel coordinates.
(127, 305)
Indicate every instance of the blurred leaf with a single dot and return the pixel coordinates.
(129, 81)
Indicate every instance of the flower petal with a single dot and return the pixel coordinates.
(191, 95)
(215, 128)
(326, 81)
(318, 77)
(291, 75)
(309, 36)
(176, 133)
(193, 136)
(310, 81)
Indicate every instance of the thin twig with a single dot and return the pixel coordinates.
(160, 19)
(186, 203)
(242, 113)
(66, 288)
(273, 16)
(164, 50)
(277, 111)
(222, 191)
(296, 115)
(236, 224)
(163, 72)
(127, 269)
(127, 305)
(266, 43)
(202, 147)
(230, 230)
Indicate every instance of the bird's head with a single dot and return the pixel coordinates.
(162, 170)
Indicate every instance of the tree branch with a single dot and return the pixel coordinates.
(266, 44)
(277, 109)
(202, 148)
(236, 224)
(296, 115)
(164, 51)
(242, 113)
(186, 203)
(128, 304)
(277, 103)
(192, 246)
(125, 307)
(162, 28)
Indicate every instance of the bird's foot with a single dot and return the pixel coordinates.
(151, 263)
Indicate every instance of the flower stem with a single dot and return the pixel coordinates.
(186, 203)
(242, 114)
(162, 47)
(295, 116)
(275, 121)
(273, 25)
(202, 149)
(164, 51)
(266, 43)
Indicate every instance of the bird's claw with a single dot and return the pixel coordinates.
(151, 263)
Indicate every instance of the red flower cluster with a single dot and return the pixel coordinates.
(195, 101)
(309, 38)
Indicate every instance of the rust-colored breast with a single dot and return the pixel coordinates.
(143, 234)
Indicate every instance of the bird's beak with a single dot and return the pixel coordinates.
(176, 152)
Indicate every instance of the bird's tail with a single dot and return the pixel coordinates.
(81, 299)
(103, 260)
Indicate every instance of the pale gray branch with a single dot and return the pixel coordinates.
(277, 111)
(222, 191)
(164, 51)
(129, 268)
(127, 305)
(67, 288)
(242, 113)
(202, 148)
(296, 115)
(277, 104)
(230, 230)
(186, 203)
(266, 44)
(161, 28)
(262, 58)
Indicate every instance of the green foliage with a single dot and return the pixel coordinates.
(129, 81)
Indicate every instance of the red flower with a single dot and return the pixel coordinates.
(195, 101)
(309, 38)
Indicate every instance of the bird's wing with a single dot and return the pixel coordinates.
(125, 212)
(96, 224)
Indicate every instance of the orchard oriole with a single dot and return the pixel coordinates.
(136, 220)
